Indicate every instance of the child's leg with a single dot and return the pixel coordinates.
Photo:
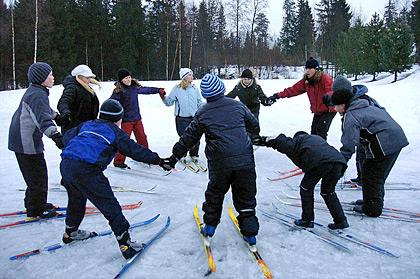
(244, 189)
(375, 172)
(140, 134)
(329, 180)
(127, 127)
(76, 207)
(307, 186)
(181, 123)
(216, 189)
(34, 171)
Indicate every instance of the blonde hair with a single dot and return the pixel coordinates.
(317, 76)
(184, 84)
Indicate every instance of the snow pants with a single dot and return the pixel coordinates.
(244, 189)
(34, 171)
(181, 124)
(87, 182)
(321, 124)
(137, 128)
(374, 174)
(330, 173)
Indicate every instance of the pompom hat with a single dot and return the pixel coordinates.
(38, 72)
(211, 86)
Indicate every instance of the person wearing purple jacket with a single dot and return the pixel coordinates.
(125, 92)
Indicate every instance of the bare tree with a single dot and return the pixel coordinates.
(12, 5)
(237, 15)
(258, 6)
(36, 30)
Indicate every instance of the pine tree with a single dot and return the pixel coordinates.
(397, 48)
(305, 31)
(415, 26)
(390, 12)
(288, 31)
(372, 45)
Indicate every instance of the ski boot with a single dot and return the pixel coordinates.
(77, 235)
(304, 223)
(128, 248)
(338, 226)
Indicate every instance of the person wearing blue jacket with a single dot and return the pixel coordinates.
(229, 153)
(126, 92)
(381, 138)
(187, 100)
(33, 119)
(89, 149)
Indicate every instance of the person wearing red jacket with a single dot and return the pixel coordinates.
(316, 83)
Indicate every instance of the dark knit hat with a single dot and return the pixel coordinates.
(299, 133)
(122, 73)
(341, 83)
(38, 72)
(211, 86)
(311, 63)
(111, 110)
(247, 74)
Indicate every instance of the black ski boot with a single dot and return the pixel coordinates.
(128, 248)
(304, 223)
(339, 225)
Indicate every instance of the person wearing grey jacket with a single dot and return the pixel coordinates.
(377, 134)
(187, 100)
(33, 119)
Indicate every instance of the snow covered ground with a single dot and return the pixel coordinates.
(179, 253)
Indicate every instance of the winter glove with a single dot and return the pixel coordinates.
(272, 99)
(326, 100)
(168, 163)
(58, 139)
(162, 93)
(267, 102)
(62, 120)
(260, 141)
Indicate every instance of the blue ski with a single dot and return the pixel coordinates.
(57, 246)
(145, 246)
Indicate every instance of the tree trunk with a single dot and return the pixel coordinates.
(13, 47)
(395, 76)
(374, 76)
(86, 53)
(36, 30)
(167, 50)
(191, 43)
(173, 65)
(180, 39)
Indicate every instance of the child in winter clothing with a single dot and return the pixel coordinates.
(318, 160)
(380, 137)
(250, 93)
(89, 148)
(229, 153)
(126, 92)
(79, 102)
(33, 119)
(187, 100)
(315, 83)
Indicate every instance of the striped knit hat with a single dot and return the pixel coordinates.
(211, 86)
(38, 72)
(111, 110)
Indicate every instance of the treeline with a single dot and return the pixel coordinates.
(154, 38)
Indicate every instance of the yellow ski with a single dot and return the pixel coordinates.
(207, 248)
(255, 255)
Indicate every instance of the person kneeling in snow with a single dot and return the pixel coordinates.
(229, 153)
(318, 160)
(372, 129)
(89, 149)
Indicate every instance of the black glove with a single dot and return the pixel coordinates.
(268, 102)
(58, 139)
(271, 100)
(326, 100)
(63, 119)
(168, 163)
(260, 141)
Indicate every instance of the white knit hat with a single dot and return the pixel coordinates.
(82, 70)
(183, 72)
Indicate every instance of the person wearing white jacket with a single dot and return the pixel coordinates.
(187, 100)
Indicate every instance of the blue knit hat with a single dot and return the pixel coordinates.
(211, 86)
(111, 110)
(38, 72)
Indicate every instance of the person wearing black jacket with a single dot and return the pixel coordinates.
(229, 153)
(79, 102)
(319, 161)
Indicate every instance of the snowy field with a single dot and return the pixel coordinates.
(179, 253)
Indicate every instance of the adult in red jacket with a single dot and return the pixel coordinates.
(316, 84)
